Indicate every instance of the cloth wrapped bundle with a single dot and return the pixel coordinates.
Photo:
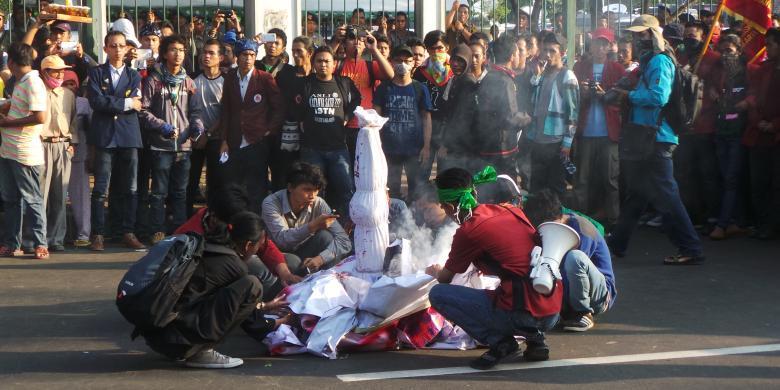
(369, 207)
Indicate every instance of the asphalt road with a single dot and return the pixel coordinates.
(59, 328)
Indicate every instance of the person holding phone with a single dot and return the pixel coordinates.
(301, 223)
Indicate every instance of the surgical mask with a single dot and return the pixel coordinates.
(52, 83)
(402, 69)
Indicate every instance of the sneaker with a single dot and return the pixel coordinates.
(157, 237)
(210, 358)
(97, 243)
(536, 351)
(655, 222)
(81, 243)
(581, 323)
(132, 242)
(8, 252)
(489, 359)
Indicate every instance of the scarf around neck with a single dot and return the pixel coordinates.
(172, 81)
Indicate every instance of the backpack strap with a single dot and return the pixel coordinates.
(418, 93)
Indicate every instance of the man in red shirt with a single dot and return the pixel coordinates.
(498, 240)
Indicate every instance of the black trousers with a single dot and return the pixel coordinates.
(207, 322)
(696, 171)
(208, 156)
(547, 168)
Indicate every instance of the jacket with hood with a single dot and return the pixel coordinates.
(460, 106)
(498, 116)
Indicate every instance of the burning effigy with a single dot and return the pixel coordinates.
(376, 299)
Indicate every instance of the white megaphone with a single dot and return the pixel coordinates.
(557, 240)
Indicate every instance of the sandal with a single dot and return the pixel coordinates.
(41, 253)
(684, 260)
(8, 252)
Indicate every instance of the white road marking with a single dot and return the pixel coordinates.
(641, 357)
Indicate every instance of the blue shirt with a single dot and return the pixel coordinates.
(402, 135)
(652, 93)
(594, 245)
(596, 126)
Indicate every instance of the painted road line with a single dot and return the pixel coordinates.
(641, 357)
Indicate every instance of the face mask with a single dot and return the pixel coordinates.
(438, 61)
(691, 44)
(52, 83)
(402, 69)
(644, 45)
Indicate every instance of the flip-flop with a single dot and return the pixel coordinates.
(684, 260)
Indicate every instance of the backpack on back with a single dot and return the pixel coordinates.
(151, 288)
(686, 98)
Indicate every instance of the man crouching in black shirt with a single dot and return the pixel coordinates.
(220, 295)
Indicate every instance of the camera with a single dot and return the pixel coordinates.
(227, 14)
(355, 32)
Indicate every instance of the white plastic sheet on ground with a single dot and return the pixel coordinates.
(321, 296)
(388, 296)
(329, 331)
(369, 208)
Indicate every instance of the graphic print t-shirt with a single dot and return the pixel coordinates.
(402, 135)
(323, 116)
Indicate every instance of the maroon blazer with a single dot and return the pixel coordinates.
(613, 72)
(259, 114)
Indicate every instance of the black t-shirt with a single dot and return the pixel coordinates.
(322, 110)
(436, 92)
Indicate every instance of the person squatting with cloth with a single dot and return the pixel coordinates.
(498, 240)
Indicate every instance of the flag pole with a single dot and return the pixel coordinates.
(709, 36)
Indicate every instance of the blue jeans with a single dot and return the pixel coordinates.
(248, 166)
(652, 181)
(730, 155)
(335, 165)
(20, 187)
(473, 310)
(585, 285)
(170, 174)
(126, 160)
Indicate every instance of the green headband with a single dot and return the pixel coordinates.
(465, 196)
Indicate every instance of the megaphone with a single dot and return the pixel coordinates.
(557, 240)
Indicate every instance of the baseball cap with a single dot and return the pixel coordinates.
(61, 25)
(644, 22)
(673, 32)
(603, 33)
(53, 62)
(403, 49)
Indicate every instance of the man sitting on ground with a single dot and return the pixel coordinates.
(302, 223)
(498, 240)
(588, 280)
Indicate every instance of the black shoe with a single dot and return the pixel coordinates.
(489, 359)
(56, 248)
(536, 351)
(684, 260)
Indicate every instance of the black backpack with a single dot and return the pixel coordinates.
(686, 98)
(151, 288)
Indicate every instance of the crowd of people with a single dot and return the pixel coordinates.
(275, 131)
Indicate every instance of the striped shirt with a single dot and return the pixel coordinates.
(23, 144)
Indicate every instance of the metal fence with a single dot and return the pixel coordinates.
(330, 14)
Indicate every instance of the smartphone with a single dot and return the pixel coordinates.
(68, 46)
(268, 38)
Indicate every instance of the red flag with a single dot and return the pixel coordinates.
(757, 18)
